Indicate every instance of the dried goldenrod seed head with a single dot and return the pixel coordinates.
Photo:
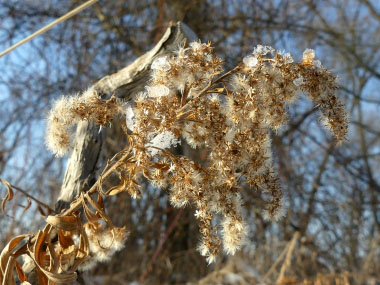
(69, 111)
(228, 117)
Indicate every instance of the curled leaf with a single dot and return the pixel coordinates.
(8, 274)
(8, 196)
(8, 257)
(39, 248)
(27, 206)
(117, 189)
(44, 274)
(65, 239)
(42, 212)
(66, 223)
(99, 212)
(90, 215)
(8, 250)
(100, 202)
(21, 274)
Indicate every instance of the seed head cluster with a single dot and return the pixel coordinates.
(229, 115)
(68, 111)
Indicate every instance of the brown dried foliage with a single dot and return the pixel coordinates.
(230, 115)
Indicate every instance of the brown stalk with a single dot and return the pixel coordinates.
(160, 246)
(204, 90)
(75, 205)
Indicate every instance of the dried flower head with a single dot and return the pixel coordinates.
(230, 115)
(68, 111)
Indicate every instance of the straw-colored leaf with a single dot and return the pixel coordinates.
(101, 202)
(38, 249)
(21, 274)
(42, 212)
(65, 239)
(8, 196)
(8, 274)
(8, 251)
(27, 206)
(66, 223)
(118, 189)
(90, 215)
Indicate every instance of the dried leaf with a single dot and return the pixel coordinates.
(39, 249)
(66, 223)
(8, 250)
(65, 239)
(101, 202)
(50, 211)
(99, 212)
(28, 204)
(60, 277)
(147, 175)
(161, 166)
(54, 262)
(42, 212)
(117, 189)
(41, 277)
(45, 275)
(20, 273)
(83, 250)
(90, 215)
(8, 196)
(8, 274)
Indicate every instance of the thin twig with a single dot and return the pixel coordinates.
(76, 204)
(204, 90)
(287, 260)
(160, 246)
(49, 26)
(31, 197)
(278, 260)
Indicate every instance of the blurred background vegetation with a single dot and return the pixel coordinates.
(331, 230)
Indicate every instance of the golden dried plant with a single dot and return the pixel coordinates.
(189, 99)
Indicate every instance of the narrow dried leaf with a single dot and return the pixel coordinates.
(117, 189)
(101, 202)
(3, 202)
(42, 212)
(216, 90)
(20, 273)
(41, 277)
(90, 215)
(39, 249)
(66, 223)
(8, 250)
(99, 212)
(46, 277)
(161, 166)
(28, 204)
(147, 175)
(83, 250)
(54, 261)
(60, 277)
(65, 239)
(9, 195)
(8, 274)
(50, 211)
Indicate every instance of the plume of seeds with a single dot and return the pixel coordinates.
(68, 111)
(190, 99)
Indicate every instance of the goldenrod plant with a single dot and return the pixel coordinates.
(189, 100)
